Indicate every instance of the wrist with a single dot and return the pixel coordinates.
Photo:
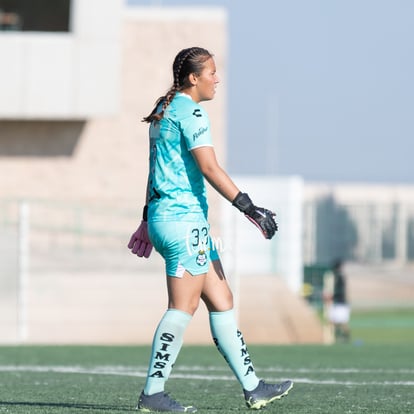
(145, 213)
(243, 202)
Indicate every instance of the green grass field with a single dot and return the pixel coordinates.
(345, 378)
(391, 326)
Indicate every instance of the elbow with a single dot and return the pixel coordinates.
(208, 170)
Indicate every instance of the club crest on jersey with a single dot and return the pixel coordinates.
(197, 113)
(201, 259)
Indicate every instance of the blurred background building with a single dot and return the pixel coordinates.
(76, 78)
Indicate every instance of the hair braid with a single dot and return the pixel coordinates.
(187, 61)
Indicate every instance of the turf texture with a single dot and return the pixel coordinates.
(346, 378)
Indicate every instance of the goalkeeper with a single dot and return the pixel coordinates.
(175, 222)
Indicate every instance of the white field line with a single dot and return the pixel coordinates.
(204, 376)
(308, 370)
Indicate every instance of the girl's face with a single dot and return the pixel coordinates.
(204, 85)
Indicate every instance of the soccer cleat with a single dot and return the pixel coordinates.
(161, 402)
(264, 394)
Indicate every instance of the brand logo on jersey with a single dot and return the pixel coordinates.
(200, 132)
(201, 259)
(197, 113)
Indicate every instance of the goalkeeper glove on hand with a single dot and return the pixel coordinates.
(262, 218)
(140, 243)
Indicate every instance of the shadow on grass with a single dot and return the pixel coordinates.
(79, 406)
(97, 407)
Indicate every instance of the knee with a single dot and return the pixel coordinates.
(189, 307)
(193, 306)
(219, 304)
(227, 302)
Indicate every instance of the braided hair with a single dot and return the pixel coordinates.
(187, 61)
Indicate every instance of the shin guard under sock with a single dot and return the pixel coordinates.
(230, 343)
(166, 345)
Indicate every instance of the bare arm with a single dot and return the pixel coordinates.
(214, 174)
(262, 218)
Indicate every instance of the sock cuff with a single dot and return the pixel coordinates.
(176, 315)
(222, 317)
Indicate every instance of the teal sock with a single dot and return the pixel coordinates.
(230, 343)
(166, 345)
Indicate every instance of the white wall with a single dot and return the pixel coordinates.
(71, 75)
(245, 251)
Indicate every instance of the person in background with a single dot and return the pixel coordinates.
(339, 311)
(175, 222)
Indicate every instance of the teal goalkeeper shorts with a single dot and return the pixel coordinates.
(184, 245)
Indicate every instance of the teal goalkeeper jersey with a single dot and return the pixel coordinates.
(176, 185)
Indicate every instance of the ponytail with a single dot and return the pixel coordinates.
(187, 61)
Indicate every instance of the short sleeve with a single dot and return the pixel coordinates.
(196, 129)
